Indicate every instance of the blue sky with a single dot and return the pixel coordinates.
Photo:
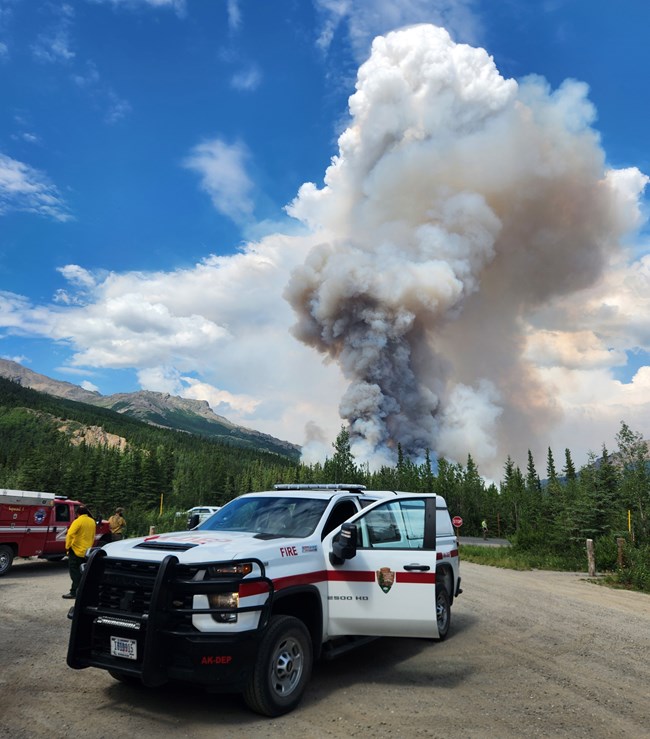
(149, 150)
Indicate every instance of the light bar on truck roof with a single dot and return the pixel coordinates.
(351, 486)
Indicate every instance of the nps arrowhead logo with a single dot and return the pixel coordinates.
(385, 578)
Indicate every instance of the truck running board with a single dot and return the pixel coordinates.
(337, 647)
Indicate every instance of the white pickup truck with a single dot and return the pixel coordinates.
(249, 599)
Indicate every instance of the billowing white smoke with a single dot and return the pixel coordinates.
(459, 203)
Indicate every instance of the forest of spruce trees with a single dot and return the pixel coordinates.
(550, 507)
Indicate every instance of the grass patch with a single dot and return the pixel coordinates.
(512, 558)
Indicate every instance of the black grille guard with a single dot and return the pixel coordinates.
(170, 584)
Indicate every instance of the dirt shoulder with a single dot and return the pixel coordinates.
(530, 654)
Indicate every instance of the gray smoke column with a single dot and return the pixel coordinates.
(459, 203)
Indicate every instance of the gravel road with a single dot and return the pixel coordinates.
(530, 654)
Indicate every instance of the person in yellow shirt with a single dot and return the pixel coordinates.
(79, 539)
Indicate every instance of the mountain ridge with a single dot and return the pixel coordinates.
(157, 409)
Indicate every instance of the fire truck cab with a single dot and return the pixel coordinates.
(34, 524)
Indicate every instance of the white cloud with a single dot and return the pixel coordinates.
(221, 401)
(178, 5)
(118, 108)
(247, 79)
(78, 276)
(89, 78)
(222, 168)
(224, 321)
(19, 358)
(23, 188)
(362, 20)
(234, 14)
(54, 45)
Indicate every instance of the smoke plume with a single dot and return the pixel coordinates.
(459, 204)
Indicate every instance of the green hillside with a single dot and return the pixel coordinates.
(106, 458)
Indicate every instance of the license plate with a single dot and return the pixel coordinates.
(127, 648)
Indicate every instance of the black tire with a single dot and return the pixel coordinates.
(282, 669)
(443, 612)
(6, 559)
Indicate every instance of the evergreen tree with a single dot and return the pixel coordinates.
(569, 468)
(551, 474)
(635, 484)
(513, 490)
(342, 467)
(427, 473)
(554, 515)
(533, 484)
(474, 508)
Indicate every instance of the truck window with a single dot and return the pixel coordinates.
(340, 513)
(395, 525)
(62, 512)
(269, 517)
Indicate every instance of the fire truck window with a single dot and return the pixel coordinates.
(62, 513)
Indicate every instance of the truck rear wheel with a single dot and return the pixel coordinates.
(6, 559)
(282, 669)
(443, 612)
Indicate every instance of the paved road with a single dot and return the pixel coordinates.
(489, 542)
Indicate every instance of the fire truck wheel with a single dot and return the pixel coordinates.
(6, 559)
(443, 611)
(282, 668)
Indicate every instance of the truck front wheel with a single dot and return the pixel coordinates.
(282, 668)
(6, 559)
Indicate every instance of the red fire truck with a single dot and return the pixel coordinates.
(35, 524)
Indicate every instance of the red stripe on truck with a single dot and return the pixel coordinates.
(312, 578)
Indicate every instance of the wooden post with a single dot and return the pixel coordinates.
(591, 559)
(620, 541)
(152, 530)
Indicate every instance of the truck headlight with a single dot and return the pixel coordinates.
(242, 568)
(232, 574)
(224, 600)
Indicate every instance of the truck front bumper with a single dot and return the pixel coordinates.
(143, 630)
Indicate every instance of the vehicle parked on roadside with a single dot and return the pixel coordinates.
(274, 580)
(199, 514)
(34, 524)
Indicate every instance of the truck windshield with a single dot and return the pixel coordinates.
(268, 517)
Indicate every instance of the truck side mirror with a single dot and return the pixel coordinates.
(344, 544)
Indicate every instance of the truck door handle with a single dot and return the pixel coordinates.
(421, 568)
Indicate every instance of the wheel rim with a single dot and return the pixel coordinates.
(441, 614)
(286, 667)
(4, 560)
